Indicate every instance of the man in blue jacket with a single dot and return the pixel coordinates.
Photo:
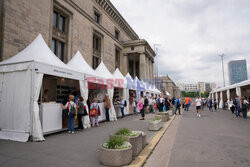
(177, 103)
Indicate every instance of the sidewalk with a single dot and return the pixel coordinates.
(216, 139)
(64, 150)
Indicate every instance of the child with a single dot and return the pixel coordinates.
(71, 106)
(94, 112)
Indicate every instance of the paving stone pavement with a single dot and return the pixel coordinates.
(217, 139)
(64, 150)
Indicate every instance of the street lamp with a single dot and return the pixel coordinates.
(222, 61)
(156, 59)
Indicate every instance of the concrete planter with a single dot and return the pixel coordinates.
(164, 116)
(170, 113)
(155, 125)
(115, 157)
(136, 142)
(144, 138)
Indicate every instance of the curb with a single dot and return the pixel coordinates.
(145, 153)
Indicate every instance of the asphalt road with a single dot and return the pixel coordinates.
(217, 139)
(68, 150)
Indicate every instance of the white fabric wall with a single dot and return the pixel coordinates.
(216, 96)
(37, 133)
(126, 97)
(15, 105)
(238, 92)
(213, 96)
(112, 113)
(84, 92)
(221, 100)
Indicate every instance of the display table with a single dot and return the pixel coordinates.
(118, 110)
(51, 117)
(102, 117)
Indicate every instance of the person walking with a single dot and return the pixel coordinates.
(146, 104)
(107, 105)
(237, 106)
(210, 105)
(82, 111)
(161, 103)
(168, 104)
(141, 108)
(154, 104)
(134, 106)
(244, 107)
(177, 106)
(187, 103)
(198, 106)
(122, 106)
(231, 105)
(151, 105)
(71, 106)
(94, 112)
(215, 105)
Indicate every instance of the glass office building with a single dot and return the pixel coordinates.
(237, 71)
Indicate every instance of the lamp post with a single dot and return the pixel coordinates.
(156, 60)
(222, 61)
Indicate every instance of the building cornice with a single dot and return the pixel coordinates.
(109, 8)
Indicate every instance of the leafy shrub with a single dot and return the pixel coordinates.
(124, 132)
(116, 142)
(156, 119)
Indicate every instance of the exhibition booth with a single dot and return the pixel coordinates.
(23, 78)
(109, 82)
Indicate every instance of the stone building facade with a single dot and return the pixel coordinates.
(94, 27)
(167, 84)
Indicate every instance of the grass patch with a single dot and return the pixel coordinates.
(116, 142)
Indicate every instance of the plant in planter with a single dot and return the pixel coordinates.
(134, 137)
(155, 124)
(115, 152)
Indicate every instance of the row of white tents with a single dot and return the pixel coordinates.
(21, 78)
(239, 89)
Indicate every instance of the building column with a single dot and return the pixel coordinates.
(142, 63)
(221, 100)
(124, 65)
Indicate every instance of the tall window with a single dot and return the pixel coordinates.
(97, 17)
(117, 58)
(96, 50)
(117, 34)
(60, 33)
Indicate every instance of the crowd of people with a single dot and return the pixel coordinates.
(146, 104)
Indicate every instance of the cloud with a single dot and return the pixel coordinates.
(192, 34)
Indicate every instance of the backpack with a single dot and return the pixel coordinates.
(125, 103)
(72, 111)
(146, 102)
(178, 103)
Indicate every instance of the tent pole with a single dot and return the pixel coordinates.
(32, 99)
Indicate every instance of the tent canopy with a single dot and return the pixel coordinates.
(79, 64)
(38, 54)
(118, 75)
(240, 84)
(131, 83)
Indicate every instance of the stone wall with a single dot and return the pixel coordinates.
(24, 20)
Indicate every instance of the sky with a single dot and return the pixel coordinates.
(190, 35)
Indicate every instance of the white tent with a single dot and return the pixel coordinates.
(109, 80)
(131, 83)
(118, 76)
(79, 64)
(20, 83)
